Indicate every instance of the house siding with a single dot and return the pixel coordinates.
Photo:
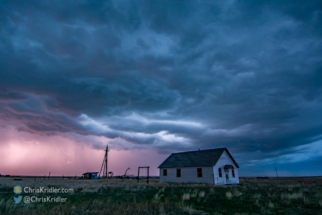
(225, 160)
(188, 175)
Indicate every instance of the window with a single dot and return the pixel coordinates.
(199, 172)
(220, 174)
(165, 172)
(233, 172)
(178, 172)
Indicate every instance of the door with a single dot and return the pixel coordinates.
(227, 177)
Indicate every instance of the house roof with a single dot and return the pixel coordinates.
(89, 173)
(195, 158)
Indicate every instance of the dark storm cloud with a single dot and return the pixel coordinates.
(11, 96)
(31, 116)
(177, 75)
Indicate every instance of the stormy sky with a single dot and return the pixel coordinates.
(151, 78)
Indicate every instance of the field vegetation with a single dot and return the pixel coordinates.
(113, 196)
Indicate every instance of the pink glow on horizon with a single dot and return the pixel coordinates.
(32, 154)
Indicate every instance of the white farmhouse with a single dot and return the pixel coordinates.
(213, 166)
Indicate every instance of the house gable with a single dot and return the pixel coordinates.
(225, 166)
(226, 159)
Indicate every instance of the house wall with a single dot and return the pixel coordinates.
(225, 160)
(188, 175)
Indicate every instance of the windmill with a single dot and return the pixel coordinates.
(104, 165)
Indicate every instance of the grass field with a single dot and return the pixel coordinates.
(113, 196)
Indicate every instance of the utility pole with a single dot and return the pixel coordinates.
(276, 172)
(106, 154)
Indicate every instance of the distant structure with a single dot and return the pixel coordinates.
(110, 174)
(125, 176)
(90, 175)
(105, 173)
(147, 168)
(213, 166)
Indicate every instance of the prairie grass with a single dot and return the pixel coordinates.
(270, 205)
(291, 196)
(194, 193)
(306, 200)
(114, 197)
(202, 194)
(257, 196)
(237, 193)
(186, 196)
(229, 195)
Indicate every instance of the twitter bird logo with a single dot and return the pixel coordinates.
(18, 199)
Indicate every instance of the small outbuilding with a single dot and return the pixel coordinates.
(90, 175)
(213, 166)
